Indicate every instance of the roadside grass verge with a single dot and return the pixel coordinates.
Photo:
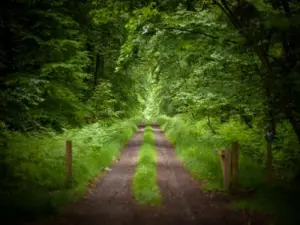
(195, 153)
(34, 183)
(196, 146)
(279, 202)
(145, 188)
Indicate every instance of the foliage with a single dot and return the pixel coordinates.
(280, 203)
(220, 70)
(35, 165)
(39, 65)
(197, 146)
(223, 71)
(58, 63)
(145, 189)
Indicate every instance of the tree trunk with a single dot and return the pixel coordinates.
(99, 69)
(269, 164)
(269, 78)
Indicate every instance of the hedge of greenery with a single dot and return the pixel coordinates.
(196, 146)
(36, 183)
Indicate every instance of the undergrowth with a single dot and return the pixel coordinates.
(197, 144)
(145, 188)
(279, 202)
(35, 185)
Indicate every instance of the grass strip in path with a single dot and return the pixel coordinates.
(145, 188)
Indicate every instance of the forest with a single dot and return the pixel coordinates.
(209, 72)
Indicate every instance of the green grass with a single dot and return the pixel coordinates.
(195, 146)
(196, 153)
(35, 185)
(201, 162)
(282, 204)
(145, 188)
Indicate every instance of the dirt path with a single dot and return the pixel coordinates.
(183, 202)
(109, 202)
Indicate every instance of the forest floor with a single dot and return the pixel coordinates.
(110, 202)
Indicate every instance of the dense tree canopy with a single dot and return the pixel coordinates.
(58, 63)
(230, 63)
(223, 61)
(240, 55)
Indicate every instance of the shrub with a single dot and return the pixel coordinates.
(34, 182)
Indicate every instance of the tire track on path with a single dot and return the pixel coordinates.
(183, 203)
(110, 201)
(183, 200)
(168, 169)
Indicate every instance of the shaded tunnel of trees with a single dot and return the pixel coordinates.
(216, 71)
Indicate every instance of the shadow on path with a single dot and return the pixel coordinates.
(183, 200)
(183, 203)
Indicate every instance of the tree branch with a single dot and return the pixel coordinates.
(198, 32)
(234, 20)
(286, 7)
(209, 124)
(228, 13)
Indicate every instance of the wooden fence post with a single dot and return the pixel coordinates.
(69, 163)
(226, 167)
(234, 163)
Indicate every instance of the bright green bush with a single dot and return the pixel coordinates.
(197, 147)
(35, 165)
(145, 189)
(194, 150)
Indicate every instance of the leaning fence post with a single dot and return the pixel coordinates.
(69, 163)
